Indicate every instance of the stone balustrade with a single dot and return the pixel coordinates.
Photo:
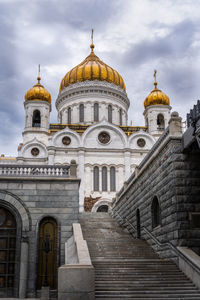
(37, 171)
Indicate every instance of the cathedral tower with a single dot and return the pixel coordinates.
(37, 112)
(157, 111)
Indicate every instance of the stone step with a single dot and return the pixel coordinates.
(145, 297)
(151, 294)
(128, 268)
(150, 283)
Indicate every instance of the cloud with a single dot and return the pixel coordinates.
(134, 37)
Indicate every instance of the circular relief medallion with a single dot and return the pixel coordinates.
(35, 151)
(104, 137)
(2, 216)
(141, 143)
(66, 140)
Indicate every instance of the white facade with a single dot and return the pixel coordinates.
(102, 145)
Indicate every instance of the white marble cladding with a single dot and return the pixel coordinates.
(88, 93)
(151, 114)
(121, 152)
(31, 171)
(44, 108)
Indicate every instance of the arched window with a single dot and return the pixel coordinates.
(81, 113)
(102, 208)
(69, 115)
(120, 117)
(112, 179)
(36, 119)
(104, 179)
(96, 112)
(96, 179)
(110, 113)
(155, 213)
(160, 122)
(48, 237)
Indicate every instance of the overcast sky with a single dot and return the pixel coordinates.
(132, 36)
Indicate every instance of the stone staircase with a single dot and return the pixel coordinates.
(128, 268)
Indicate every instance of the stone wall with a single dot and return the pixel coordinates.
(33, 199)
(174, 178)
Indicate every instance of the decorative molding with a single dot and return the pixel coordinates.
(84, 88)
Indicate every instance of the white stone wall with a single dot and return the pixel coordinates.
(121, 151)
(88, 93)
(151, 113)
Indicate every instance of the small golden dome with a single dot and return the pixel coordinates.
(156, 97)
(38, 92)
(92, 68)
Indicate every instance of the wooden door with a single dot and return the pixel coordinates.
(48, 233)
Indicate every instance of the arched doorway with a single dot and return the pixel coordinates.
(138, 223)
(102, 208)
(8, 233)
(47, 263)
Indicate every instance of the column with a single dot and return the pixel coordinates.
(108, 179)
(51, 154)
(81, 166)
(100, 179)
(23, 268)
(127, 164)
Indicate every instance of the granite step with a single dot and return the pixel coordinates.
(128, 268)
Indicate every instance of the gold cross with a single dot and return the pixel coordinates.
(155, 82)
(92, 35)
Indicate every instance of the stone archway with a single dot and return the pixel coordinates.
(19, 210)
(101, 205)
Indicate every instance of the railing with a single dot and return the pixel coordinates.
(163, 246)
(34, 171)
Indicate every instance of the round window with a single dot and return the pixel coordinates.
(35, 151)
(141, 142)
(66, 140)
(104, 137)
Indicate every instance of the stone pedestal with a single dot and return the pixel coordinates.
(76, 282)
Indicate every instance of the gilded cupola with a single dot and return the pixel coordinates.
(92, 68)
(156, 97)
(38, 92)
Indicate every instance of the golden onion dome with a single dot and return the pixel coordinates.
(156, 97)
(38, 92)
(92, 68)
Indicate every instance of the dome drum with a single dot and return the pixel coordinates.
(95, 90)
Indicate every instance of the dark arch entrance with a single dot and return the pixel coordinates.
(102, 208)
(138, 223)
(8, 233)
(48, 235)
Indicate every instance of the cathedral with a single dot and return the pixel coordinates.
(77, 164)
(92, 129)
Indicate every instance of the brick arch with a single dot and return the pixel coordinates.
(20, 207)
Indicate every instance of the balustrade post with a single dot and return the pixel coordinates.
(73, 168)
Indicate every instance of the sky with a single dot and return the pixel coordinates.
(132, 36)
